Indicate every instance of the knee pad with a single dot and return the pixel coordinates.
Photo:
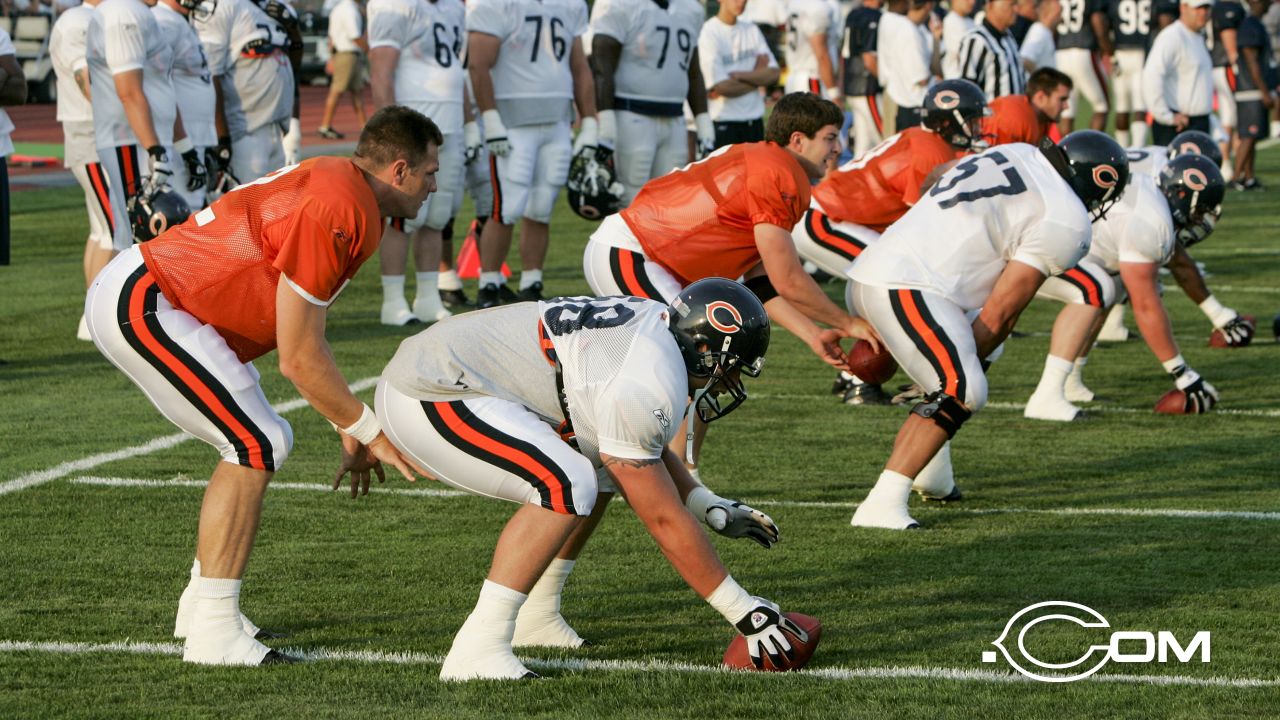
(945, 411)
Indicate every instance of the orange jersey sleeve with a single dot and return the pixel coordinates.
(1013, 120)
(699, 221)
(877, 188)
(316, 223)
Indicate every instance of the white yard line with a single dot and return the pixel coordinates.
(642, 666)
(758, 502)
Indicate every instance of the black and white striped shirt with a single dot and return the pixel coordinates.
(990, 58)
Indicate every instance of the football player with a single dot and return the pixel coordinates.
(542, 404)
(80, 154)
(193, 88)
(855, 203)
(1150, 161)
(247, 53)
(1224, 28)
(813, 44)
(861, 84)
(1130, 22)
(1135, 239)
(527, 70)
(133, 106)
(645, 55)
(415, 60)
(257, 272)
(1026, 118)
(1084, 53)
(968, 246)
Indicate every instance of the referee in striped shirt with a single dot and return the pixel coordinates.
(989, 55)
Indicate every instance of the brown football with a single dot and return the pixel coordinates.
(736, 656)
(871, 366)
(1173, 402)
(1218, 340)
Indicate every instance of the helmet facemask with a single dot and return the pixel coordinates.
(722, 379)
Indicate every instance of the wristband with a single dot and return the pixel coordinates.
(1217, 313)
(366, 429)
(706, 128)
(731, 601)
(699, 500)
(832, 94)
(493, 127)
(608, 133)
(183, 146)
(1175, 365)
(157, 152)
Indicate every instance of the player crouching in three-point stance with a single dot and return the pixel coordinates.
(542, 404)
(185, 314)
(1138, 235)
(984, 237)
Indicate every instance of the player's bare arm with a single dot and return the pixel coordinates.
(13, 87)
(730, 518)
(482, 53)
(697, 96)
(606, 52)
(1185, 272)
(1142, 280)
(824, 342)
(826, 70)
(761, 75)
(584, 87)
(136, 107)
(1010, 296)
(382, 75)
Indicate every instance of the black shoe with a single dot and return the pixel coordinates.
(867, 394)
(487, 296)
(531, 293)
(269, 635)
(530, 675)
(454, 299)
(279, 658)
(1237, 185)
(1253, 183)
(329, 134)
(506, 296)
(841, 386)
(954, 496)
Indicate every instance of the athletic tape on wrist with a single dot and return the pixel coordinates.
(366, 429)
(731, 601)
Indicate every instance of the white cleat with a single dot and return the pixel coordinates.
(1076, 391)
(187, 608)
(82, 333)
(1113, 329)
(221, 640)
(936, 481)
(482, 659)
(877, 513)
(397, 314)
(542, 630)
(1045, 407)
(430, 310)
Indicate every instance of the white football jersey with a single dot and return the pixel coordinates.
(1137, 229)
(532, 75)
(806, 18)
(657, 46)
(1005, 204)
(192, 82)
(123, 36)
(67, 53)
(246, 48)
(1149, 160)
(431, 38)
(625, 382)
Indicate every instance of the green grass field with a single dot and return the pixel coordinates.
(1157, 523)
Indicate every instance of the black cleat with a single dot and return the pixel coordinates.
(532, 293)
(506, 296)
(454, 299)
(269, 635)
(531, 675)
(279, 658)
(841, 386)
(954, 496)
(487, 297)
(867, 394)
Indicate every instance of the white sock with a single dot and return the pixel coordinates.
(540, 621)
(217, 636)
(449, 280)
(891, 487)
(427, 283)
(845, 375)
(529, 277)
(1055, 374)
(1122, 137)
(392, 289)
(1075, 390)
(482, 647)
(492, 278)
(1139, 130)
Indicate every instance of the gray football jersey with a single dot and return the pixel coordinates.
(246, 47)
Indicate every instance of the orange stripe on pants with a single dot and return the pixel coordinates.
(951, 374)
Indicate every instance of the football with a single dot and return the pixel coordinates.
(1218, 340)
(1173, 402)
(871, 366)
(736, 656)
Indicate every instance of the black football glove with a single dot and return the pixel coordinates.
(197, 176)
(1201, 396)
(1237, 332)
(766, 632)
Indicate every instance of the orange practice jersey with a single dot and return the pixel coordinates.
(1013, 120)
(315, 223)
(876, 189)
(699, 221)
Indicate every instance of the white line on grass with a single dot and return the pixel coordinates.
(642, 666)
(1088, 408)
(1134, 512)
(155, 445)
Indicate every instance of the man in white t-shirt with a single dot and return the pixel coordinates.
(982, 240)
(80, 152)
(583, 392)
(416, 55)
(736, 64)
(528, 72)
(1038, 48)
(904, 55)
(348, 45)
(958, 22)
(1177, 79)
(134, 106)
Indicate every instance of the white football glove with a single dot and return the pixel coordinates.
(1201, 396)
(732, 518)
(588, 136)
(293, 142)
(766, 632)
(608, 133)
(495, 134)
(706, 132)
(161, 170)
(472, 142)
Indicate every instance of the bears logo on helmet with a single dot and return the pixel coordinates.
(720, 326)
(1094, 165)
(953, 109)
(593, 187)
(1194, 189)
(153, 212)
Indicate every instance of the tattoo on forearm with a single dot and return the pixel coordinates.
(628, 462)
